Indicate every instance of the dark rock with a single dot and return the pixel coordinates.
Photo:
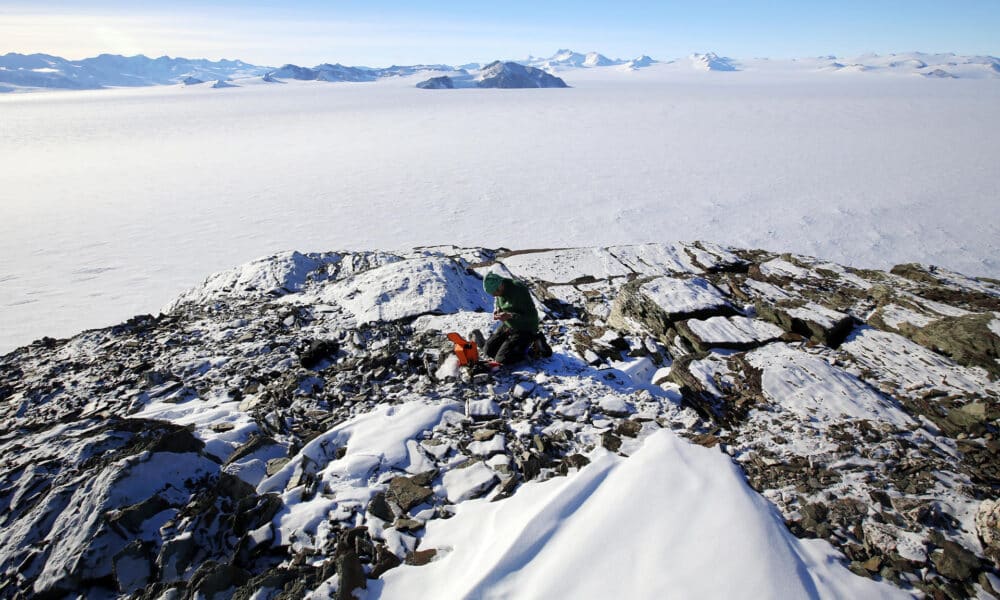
(255, 443)
(726, 411)
(421, 557)
(259, 513)
(872, 565)
(915, 272)
(629, 428)
(818, 323)
(352, 575)
(482, 435)
(955, 562)
(231, 486)
(180, 440)
(318, 351)
(706, 439)
(573, 461)
(408, 525)
(132, 517)
(384, 561)
(967, 339)
(814, 517)
(215, 581)
(611, 441)
(507, 488)
(406, 493)
(380, 508)
(531, 465)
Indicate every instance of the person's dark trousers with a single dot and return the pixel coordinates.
(508, 345)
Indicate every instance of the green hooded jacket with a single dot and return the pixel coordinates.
(516, 299)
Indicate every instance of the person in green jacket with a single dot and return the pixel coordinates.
(515, 309)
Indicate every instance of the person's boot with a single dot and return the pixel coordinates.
(540, 348)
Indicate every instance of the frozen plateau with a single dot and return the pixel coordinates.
(115, 200)
(714, 422)
(803, 404)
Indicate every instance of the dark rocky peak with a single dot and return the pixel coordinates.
(513, 75)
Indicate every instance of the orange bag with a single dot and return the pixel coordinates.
(467, 352)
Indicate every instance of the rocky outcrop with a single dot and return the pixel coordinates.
(293, 424)
(512, 75)
(437, 83)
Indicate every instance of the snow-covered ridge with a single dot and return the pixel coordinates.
(299, 425)
(19, 72)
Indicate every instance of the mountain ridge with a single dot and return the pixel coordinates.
(20, 72)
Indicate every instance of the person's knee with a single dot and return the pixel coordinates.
(495, 343)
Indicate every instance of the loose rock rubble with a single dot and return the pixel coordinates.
(223, 448)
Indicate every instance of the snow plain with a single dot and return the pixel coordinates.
(114, 201)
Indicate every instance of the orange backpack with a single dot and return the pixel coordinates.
(467, 352)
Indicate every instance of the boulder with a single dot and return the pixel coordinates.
(808, 319)
(132, 517)
(732, 333)
(133, 566)
(657, 303)
(470, 481)
(955, 562)
(352, 576)
(988, 528)
(421, 557)
(175, 557)
(378, 507)
(406, 493)
(214, 581)
(969, 340)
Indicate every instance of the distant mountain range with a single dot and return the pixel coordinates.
(112, 70)
(20, 72)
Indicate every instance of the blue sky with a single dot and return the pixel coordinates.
(393, 32)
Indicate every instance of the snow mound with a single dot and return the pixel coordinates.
(404, 289)
(691, 503)
(274, 275)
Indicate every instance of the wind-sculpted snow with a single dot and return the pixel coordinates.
(816, 390)
(299, 426)
(689, 503)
